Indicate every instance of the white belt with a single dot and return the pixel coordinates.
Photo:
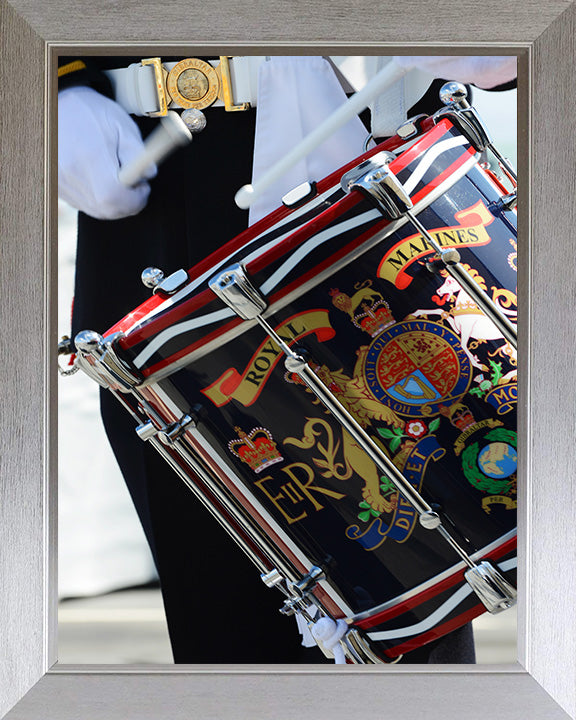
(152, 87)
(140, 86)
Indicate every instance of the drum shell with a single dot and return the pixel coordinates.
(357, 303)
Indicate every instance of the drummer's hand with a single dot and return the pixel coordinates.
(95, 138)
(483, 71)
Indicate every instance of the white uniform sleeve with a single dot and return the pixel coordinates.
(483, 71)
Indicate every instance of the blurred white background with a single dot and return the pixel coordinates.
(101, 545)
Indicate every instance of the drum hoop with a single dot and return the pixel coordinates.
(246, 326)
(437, 579)
(332, 185)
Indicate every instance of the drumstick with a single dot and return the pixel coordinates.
(389, 74)
(170, 134)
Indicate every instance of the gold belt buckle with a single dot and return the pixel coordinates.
(160, 74)
(227, 95)
(193, 83)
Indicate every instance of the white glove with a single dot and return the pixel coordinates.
(95, 138)
(483, 71)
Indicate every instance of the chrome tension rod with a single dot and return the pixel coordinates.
(234, 288)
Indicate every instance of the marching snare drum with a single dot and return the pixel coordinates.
(372, 476)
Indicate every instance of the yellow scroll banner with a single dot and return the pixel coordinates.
(470, 231)
(508, 503)
(246, 386)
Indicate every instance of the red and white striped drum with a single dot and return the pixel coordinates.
(374, 520)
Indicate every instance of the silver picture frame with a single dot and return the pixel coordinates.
(542, 684)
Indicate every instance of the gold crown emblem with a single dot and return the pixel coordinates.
(375, 318)
(459, 415)
(367, 308)
(256, 448)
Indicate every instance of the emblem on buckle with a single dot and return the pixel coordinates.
(193, 83)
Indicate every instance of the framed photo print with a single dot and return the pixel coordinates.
(542, 683)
